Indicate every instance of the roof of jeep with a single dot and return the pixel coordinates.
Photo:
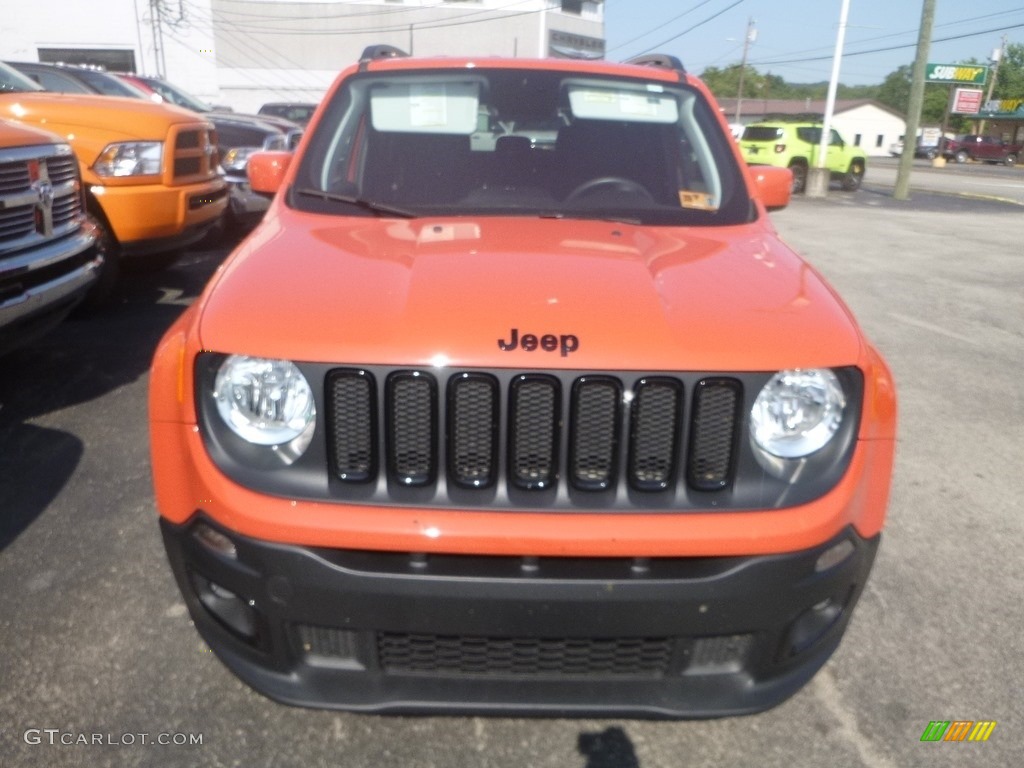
(596, 67)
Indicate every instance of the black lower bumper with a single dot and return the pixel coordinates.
(388, 632)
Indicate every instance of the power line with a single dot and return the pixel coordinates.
(661, 26)
(695, 26)
(889, 48)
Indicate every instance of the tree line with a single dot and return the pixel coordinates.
(893, 91)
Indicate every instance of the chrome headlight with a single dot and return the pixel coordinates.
(131, 158)
(797, 412)
(266, 402)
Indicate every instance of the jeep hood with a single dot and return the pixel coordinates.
(455, 291)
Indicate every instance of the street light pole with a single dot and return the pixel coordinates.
(749, 38)
(818, 177)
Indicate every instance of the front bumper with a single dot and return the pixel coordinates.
(405, 632)
(153, 218)
(245, 206)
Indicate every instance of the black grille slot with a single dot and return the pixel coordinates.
(187, 166)
(473, 430)
(654, 433)
(534, 407)
(524, 656)
(594, 438)
(352, 425)
(190, 139)
(412, 427)
(713, 437)
(544, 440)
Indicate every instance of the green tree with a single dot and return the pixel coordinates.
(1010, 80)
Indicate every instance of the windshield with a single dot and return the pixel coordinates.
(177, 96)
(12, 81)
(522, 142)
(109, 85)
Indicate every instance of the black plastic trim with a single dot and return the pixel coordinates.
(751, 608)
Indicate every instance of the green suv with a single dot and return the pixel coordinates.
(794, 145)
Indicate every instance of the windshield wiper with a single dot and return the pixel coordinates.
(381, 209)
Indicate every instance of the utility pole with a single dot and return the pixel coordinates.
(998, 54)
(924, 37)
(156, 18)
(749, 38)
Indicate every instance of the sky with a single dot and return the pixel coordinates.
(796, 39)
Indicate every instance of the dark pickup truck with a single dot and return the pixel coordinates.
(988, 149)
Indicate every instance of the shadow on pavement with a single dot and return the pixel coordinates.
(79, 361)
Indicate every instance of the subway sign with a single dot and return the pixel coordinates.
(972, 74)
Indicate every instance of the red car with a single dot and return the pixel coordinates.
(516, 402)
(987, 149)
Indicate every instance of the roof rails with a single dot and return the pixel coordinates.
(659, 60)
(373, 52)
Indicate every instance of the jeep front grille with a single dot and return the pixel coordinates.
(515, 438)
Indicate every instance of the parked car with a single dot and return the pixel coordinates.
(48, 253)
(297, 111)
(929, 151)
(69, 78)
(149, 170)
(794, 144)
(238, 136)
(988, 149)
(478, 421)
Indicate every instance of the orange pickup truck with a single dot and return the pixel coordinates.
(149, 170)
(515, 401)
(48, 254)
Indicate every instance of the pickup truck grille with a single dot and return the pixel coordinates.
(532, 433)
(195, 155)
(40, 195)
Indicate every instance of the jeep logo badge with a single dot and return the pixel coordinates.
(565, 343)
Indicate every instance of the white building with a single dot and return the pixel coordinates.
(862, 122)
(246, 52)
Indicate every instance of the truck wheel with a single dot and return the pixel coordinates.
(1010, 160)
(102, 290)
(799, 178)
(962, 156)
(931, 154)
(852, 178)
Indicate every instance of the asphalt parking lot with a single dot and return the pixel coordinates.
(99, 662)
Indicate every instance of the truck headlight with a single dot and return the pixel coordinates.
(130, 158)
(266, 402)
(237, 158)
(797, 412)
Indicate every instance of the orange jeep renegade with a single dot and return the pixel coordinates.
(515, 402)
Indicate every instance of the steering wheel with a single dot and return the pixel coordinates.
(618, 182)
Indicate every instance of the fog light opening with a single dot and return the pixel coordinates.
(812, 625)
(236, 613)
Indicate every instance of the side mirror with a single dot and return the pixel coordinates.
(267, 169)
(773, 185)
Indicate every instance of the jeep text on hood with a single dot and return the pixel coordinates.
(515, 402)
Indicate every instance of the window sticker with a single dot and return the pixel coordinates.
(425, 107)
(597, 103)
(700, 201)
